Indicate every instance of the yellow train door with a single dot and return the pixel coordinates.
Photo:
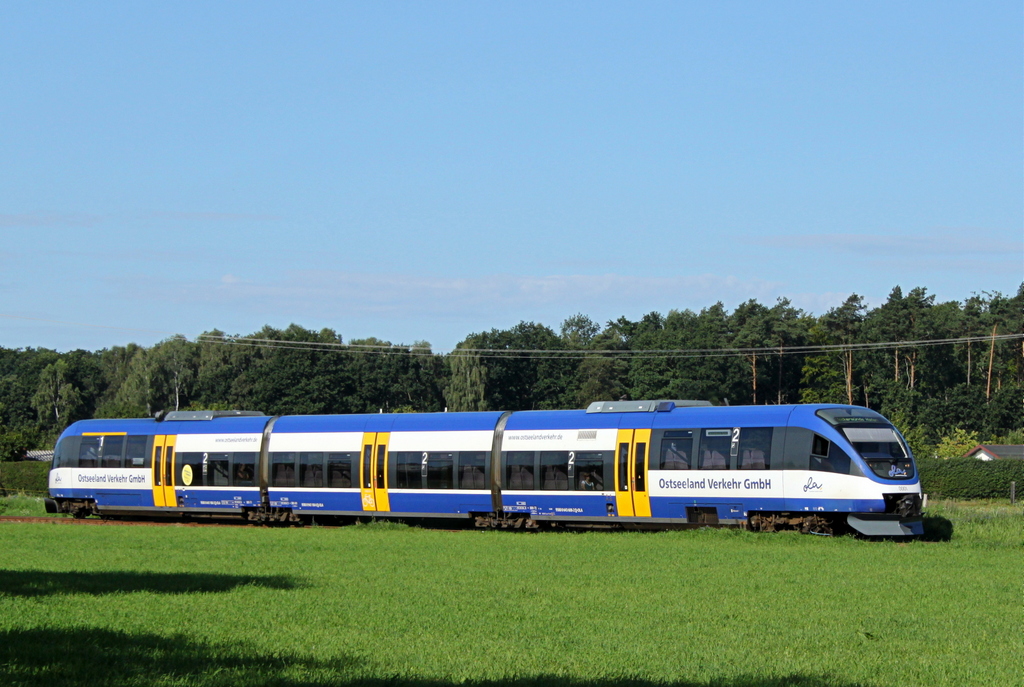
(163, 471)
(632, 452)
(373, 471)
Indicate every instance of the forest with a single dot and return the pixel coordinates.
(949, 374)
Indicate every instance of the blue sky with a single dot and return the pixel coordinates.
(421, 171)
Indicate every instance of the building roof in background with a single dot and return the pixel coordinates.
(43, 455)
(996, 451)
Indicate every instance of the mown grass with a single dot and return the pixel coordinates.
(387, 605)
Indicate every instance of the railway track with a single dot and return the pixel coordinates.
(163, 522)
(99, 521)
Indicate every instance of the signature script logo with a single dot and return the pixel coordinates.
(895, 471)
(812, 485)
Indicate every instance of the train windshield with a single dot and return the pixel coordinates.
(883, 450)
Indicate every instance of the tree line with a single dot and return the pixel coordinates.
(969, 388)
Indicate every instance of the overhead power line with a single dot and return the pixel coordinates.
(576, 354)
(540, 354)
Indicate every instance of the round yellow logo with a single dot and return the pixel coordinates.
(186, 475)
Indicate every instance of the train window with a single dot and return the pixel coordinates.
(60, 457)
(339, 470)
(471, 470)
(554, 470)
(382, 456)
(714, 449)
(168, 465)
(111, 449)
(641, 465)
(827, 457)
(244, 474)
(135, 456)
(623, 467)
(519, 470)
(440, 470)
(311, 470)
(838, 459)
(282, 469)
(589, 468)
(55, 461)
(367, 478)
(218, 469)
(157, 476)
(189, 469)
(876, 442)
(676, 448)
(755, 448)
(89, 452)
(883, 450)
(409, 469)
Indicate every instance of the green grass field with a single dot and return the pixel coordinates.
(392, 605)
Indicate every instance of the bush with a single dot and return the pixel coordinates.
(970, 478)
(29, 476)
(14, 442)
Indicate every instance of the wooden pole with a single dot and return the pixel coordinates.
(991, 358)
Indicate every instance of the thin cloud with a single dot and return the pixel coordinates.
(818, 303)
(50, 220)
(342, 294)
(944, 242)
(213, 216)
(127, 256)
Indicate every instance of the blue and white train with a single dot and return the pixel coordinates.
(634, 464)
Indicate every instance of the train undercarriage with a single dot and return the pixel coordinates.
(822, 524)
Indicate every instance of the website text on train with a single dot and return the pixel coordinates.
(629, 464)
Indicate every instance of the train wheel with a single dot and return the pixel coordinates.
(815, 524)
(762, 522)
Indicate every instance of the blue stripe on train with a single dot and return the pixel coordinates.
(836, 505)
(299, 500)
(580, 504)
(119, 497)
(674, 507)
(214, 499)
(454, 502)
(728, 509)
(575, 504)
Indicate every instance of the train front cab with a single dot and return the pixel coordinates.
(191, 463)
(101, 465)
(886, 488)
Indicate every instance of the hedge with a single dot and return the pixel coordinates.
(970, 478)
(24, 476)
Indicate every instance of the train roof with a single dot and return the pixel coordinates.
(399, 422)
(248, 424)
(695, 416)
(657, 416)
